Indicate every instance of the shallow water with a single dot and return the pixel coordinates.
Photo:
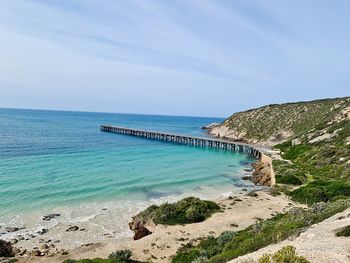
(55, 159)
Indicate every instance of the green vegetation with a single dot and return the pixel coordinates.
(230, 245)
(315, 138)
(120, 256)
(323, 168)
(286, 254)
(295, 151)
(321, 190)
(185, 211)
(344, 232)
(287, 173)
(296, 118)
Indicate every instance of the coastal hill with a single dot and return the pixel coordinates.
(275, 123)
(311, 162)
(313, 140)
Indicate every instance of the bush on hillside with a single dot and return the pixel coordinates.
(295, 151)
(286, 254)
(287, 173)
(288, 179)
(321, 191)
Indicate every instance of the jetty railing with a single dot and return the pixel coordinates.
(186, 140)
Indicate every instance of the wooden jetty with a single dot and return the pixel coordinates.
(186, 140)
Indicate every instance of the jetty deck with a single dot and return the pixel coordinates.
(185, 139)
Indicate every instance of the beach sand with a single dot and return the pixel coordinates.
(166, 240)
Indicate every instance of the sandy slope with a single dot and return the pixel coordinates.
(318, 244)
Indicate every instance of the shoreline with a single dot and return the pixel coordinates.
(52, 244)
(89, 223)
(166, 240)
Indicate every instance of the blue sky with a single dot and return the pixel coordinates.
(191, 57)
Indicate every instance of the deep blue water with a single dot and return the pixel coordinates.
(56, 158)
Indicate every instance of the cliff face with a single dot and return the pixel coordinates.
(274, 124)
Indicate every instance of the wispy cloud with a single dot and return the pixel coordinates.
(214, 56)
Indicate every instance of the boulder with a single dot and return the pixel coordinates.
(72, 228)
(247, 178)
(43, 231)
(23, 252)
(296, 141)
(11, 229)
(37, 253)
(138, 227)
(6, 249)
(48, 217)
(16, 251)
(44, 246)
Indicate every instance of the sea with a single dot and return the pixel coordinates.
(60, 161)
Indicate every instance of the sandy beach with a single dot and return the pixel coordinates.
(239, 211)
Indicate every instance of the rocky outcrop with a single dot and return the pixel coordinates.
(222, 131)
(210, 126)
(6, 249)
(263, 173)
(138, 226)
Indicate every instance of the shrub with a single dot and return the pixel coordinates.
(225, 237)
(287, 173)
(252, 194)
(120, 256)
(286, 254)
(284, 145)
(321, 191)
(295, 151)
(344, 232)
(288, 179)
(187, 210)
(186, 256)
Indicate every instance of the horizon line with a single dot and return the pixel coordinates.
(106, 112)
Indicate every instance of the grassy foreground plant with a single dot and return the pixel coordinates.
(286, 254)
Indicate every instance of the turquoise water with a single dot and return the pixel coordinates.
(52, 159)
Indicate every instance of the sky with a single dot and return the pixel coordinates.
(190, 57)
